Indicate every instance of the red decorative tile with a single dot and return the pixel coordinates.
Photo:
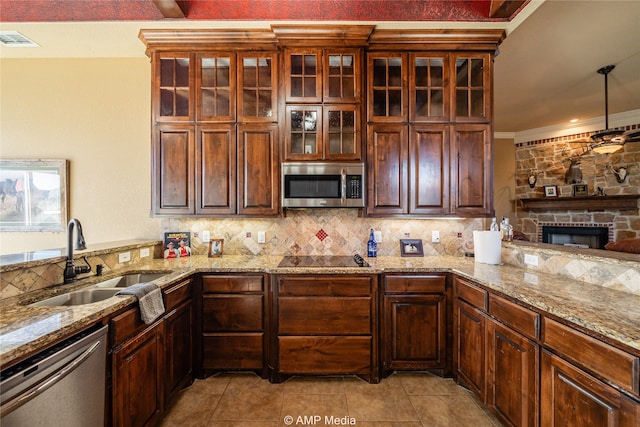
(321, 235)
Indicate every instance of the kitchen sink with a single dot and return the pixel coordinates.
(129, 279)
(82, 296)
(98, 292)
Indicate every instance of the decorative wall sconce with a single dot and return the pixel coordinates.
(533, 178)
(620, 173)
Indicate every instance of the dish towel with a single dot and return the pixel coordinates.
(149, 299)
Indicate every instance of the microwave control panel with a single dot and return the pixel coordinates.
(354, 187)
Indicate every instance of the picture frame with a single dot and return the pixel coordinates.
(411, 247)
(550, 191)
(215, 248)
(580, 190)
(34, 195)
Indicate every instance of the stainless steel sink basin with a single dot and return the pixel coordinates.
(129, 279)
(98, 292)
(79, 297)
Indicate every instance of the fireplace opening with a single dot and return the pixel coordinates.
(583, 237)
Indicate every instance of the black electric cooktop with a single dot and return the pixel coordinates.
(323, 261)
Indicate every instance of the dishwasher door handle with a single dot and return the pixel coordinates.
(20, 400)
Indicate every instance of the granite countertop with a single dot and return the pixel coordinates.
(613, 314)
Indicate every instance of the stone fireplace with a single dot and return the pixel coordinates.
(548, 160)
(593, 236)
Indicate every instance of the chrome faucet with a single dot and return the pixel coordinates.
(70, 271)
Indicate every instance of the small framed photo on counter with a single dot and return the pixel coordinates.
(550, 191)
(580, 190)
(215, 248)
(411, 247)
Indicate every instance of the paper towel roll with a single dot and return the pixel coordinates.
(487, 246)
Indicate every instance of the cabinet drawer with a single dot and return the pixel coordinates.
(225, 284)
(327, 286)
(470, 293)
(415, 284)
(611, 363)
(232, 313)
(324, 315)
(177, 294)
(324, 355)
(233, 351)
(519, 318)
(125, 325)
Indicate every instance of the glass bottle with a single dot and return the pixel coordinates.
(494, 225)
(372, 246)
(508, 231)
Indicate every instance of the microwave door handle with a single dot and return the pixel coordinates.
(343, 199)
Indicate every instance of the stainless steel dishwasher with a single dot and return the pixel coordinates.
(62, 386)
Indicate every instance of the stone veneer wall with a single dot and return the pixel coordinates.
(546, 157)
(326, 232)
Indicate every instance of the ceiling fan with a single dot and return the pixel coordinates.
(610, 140)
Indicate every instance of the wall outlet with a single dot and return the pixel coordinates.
(435, 236)
(262, 238)
(124, 257)
(378, 236)
(531, 259)
(144, 252)
(206, 236)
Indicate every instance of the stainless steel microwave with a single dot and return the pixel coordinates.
(323, 185)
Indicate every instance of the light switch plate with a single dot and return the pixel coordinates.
(144, 252)
(262, 238)
(531, 259)
(378, 236)
(124, 257)
(435, 236)
(206, 236)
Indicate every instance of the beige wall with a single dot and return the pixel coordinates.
(95, 113)
(504, 182)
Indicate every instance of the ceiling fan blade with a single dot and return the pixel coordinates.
(632, 135)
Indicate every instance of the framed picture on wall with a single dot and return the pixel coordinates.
(580, 190)
(551, 191)
(215, 248)
(411, 247)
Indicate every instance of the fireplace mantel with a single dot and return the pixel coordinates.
(591, 203)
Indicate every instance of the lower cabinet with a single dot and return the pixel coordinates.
(414, 330)
(325, 325)
(233, 323)
(150, 363)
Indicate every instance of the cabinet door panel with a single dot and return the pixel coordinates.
(216, 178)
(512, 383)
(415, 331)
(324, 315)
(470, 347)
(572, 398)
(387, 87)
(387, 164)
(324, 355)
(428, 172)
(173, 88)
(258, 170)
(428, 87)
(173, 169)
(258, 87)
(178, 347)
(233, 350)
(471, 168)
(232, 313)
(216, 87)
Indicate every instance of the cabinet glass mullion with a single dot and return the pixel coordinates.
(174, 84)
(428, 88)
(303, 69)
(342, 76)
(470, 87)
(216, 88)
(386, 88)
(258, 87)
(304, 132)
(342, 132)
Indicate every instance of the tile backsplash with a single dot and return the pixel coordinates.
(326, 232)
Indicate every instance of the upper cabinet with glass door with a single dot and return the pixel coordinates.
(428, 87)
(258, 87)
(472, 87)
(172, 87)
(216, 82)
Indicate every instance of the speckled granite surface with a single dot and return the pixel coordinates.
(611, 313)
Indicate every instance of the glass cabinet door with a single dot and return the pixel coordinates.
(429, 100)
(303, 70)
(173, 87)
(216, 93)
(471, 80)
(342, 76)
(342, 132)
(387, 88)
(304, 132)
(257, 82)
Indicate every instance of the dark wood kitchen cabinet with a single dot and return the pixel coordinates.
(414, 330)
(324, 325)
(214, 124)
(233, 323)
(429, 133)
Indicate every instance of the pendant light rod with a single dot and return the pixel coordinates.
(605, 71)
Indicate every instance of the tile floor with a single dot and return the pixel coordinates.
(401, 400)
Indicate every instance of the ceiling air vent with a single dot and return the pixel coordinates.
(15, 39)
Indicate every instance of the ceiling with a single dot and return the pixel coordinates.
(545, 73)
